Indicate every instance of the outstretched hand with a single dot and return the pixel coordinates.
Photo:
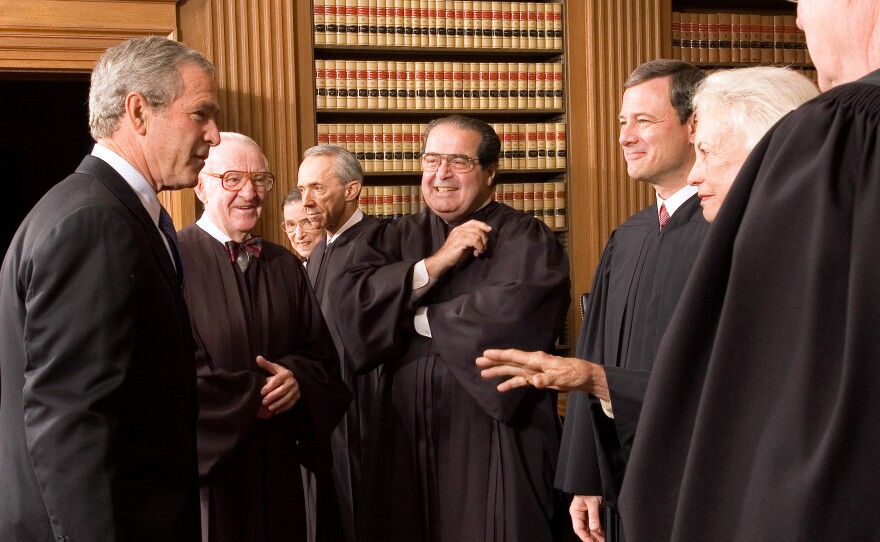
(543, 370)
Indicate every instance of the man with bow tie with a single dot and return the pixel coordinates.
(268, 379)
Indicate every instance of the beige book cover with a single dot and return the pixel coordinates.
(506, 194)
(329, 22)
(755, 45)
(735, 34)
(493, 84)
(408, 144)
(382, 84)
(333, 134)
(559, 204)
(558, 85)
(467, 22)
(531, 146)
(341, 28)
(457, 85)
(714, 37)
(448, 85)
(560, 145)
(475, 86)
(359, 144)
(550, 137)
(686, 36)
(503, 85)
(387, 148)
(372, 84)
(320, 26)
(703, 37)
(725, 46)
(351, 22)
(349, 137)
(382, 22)
(419, 76)
(531, 25)
(549, 204)
(497, 25)
(397, 147)
(541, 145)
(363, 93)
(676, 34)
(373, 22)
(330, 88)
(529, 198)
(409, 75)
(351, 89)
(557, 26)
(778, 39)
(767, 39)
(790, 46)
(323, 133)
(484, 86)
(320, 84)
(533, 85)
(507, 23)
(363, 22)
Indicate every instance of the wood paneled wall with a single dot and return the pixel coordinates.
(262, 50)
(606, 41)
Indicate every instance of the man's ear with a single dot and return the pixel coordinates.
(353, 190)
(692, 127)
(492, 171)
(200, 192)
(137, 112)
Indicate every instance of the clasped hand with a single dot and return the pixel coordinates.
(281, 390)
(468, 238)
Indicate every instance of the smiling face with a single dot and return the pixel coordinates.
(656, 145)
(235, 213)
(178, 137)
(721, 152)
(454, 196)
(304, 238)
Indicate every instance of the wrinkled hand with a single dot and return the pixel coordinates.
(543, 370)
(281, 391)
(468, 238)
(585, 518)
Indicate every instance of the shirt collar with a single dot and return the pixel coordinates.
(356, 217)
(134, 178)
(211, 229)
(676, 200)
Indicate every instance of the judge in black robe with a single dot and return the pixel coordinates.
(250, 465)
(330, 180)
(771, 360)
(449, 457)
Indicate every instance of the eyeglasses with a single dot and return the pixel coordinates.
(289, 226)
(457, 163)
(263, 181)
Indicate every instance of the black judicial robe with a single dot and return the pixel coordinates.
(347, 440)
(249, 467)
(635, 290)
(449, 457)
(772, 359)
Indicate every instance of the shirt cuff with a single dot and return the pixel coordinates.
(421, 281)
(606, 408)
(420, 322)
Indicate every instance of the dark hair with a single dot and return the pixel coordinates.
(683, 80)
(293, 196)
(490, 145)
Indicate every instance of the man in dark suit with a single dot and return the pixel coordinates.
(98, 404)
(330, 180)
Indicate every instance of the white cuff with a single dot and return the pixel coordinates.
(421, 281)
(420, 322)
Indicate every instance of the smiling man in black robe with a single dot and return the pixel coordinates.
(268, 379)
(450, 458)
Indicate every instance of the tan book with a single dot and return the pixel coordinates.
(363, 93)
(419, 85)
(686, 37)
(493, 85)
(540, 29)
(503, 85)
(802, 47)
(385, 85)
(449, 21)
(320, 26)
(533, 86)
(767, 39)
(378, 153)
(420, 26)
(448, 85)
(549, 204)
(676, 35)
(349, 137)
(330, 84)
(433, 84)
(557, 26)
(458, 85)
(333, 134)
(387, 209)
(778, 39)
(409, 22)
(497, 25)
(373, 84)
(369, 161)
(560, 145)
(755, 45)
(457, 40)
(484, 86)
(467, 22)
(382, 22)
(484, 8)
(408, 144)
(714, 37)
(529, 198)
(703, 37)
(558, 85)
(351, 22)
(504, 134)
(506, 194)
(396, 202)
(323, 133)
(559, 204)
(521, 136)
(341, 28)
(790, 45)
(320, 85)
(387, 163)
(531, 25)
(725, 39)
(398, 22)
(431, 22)
(359, 144)
(541, 145)
(545, 79)
(531, 146)
(363, 22)
(475, 86)
(330, 31)
(507, 23)
(548, 26)
(404, 199)
(351, 89)
(397, 147)
(373, 22)
(734, 37)
(409, 86)
(392, 84)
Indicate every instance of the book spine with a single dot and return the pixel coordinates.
(559, 204)
(714, 37)
(363, 22)
(725, 40)
(363, 93)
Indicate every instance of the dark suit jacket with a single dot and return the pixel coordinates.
(98, 405)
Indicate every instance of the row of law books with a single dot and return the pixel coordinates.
(366, 84)
(545, 201)
(397, 146)
(738, 37)
(439, 23)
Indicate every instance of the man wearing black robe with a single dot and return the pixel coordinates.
(268, 380)
(771, 359)
(330, 180)
(636, 287)
(450, 458)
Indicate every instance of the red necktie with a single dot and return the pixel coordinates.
(664, 216)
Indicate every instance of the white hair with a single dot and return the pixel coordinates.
(234, 137)
(752, 99)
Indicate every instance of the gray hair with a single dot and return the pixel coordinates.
(233, 137)
(345, 164)
(149, 66)
(294, 196)
(752, 99)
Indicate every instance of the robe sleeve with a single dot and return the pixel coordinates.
(521, 304)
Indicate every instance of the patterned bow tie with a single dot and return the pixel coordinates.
(252, 246)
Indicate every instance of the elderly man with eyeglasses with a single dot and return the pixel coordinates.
(268, 380)
(448, 457)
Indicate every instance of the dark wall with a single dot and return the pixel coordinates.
(44, 135)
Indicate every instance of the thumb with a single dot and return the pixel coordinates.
(267, 365)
